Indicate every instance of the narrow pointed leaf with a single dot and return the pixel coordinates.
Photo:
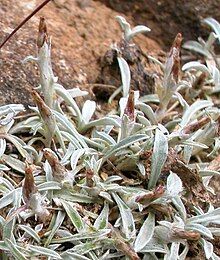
(14, 250)
(159, 156)
(194, 108)
(128, 226)
(145, 234)
(30, 231)
(73, 215)
(58, 222)
(125, 75)
(102, 220)
(44, 251)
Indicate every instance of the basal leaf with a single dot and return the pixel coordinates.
(125, 75)
(58, 222)
(128, 226)
(102, 220)
(14, 250)
(44, 251)
(73, 215)
(159, 156)
(30, 231)
(146, 232)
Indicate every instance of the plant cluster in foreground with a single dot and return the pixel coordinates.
(133, 184)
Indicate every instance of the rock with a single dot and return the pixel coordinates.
(166, 18)
(81, 32)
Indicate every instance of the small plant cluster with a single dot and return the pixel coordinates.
(133, 184)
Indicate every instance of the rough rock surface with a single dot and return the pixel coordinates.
(169, 17)
(81, 31)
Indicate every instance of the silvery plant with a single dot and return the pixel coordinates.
(133, 184)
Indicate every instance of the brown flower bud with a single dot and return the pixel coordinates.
(47, 116)
(150, 196)
(129, 110)
(175, 56)
(89, 180)
(189, 235)
(58, 170)
(44, 110)
(29, 188)
(42, 33)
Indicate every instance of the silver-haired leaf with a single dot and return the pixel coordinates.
(73, 215)
(15, 108)
(194, 144)
(216, 78)
(6, 182)
(204, 173)
(124, 143)
(49, 185)
(19, 144)
(102, 122)
(138, 29)
(184, 253)
(2, 146)
(7, 199)
(30, 231)
(77, 92)
(61, 91)
(214, 24)
(58, 222)
(125, 75)
(44, 251)
(159, 157)
(145, 234)
(4, 167)
(210, 217)
(14, 163)
(106, 137)
(14, 250)
(85, 248)
(63, 120)
(69, 255)
(174, 185)
(128, 226)
(125, 26)
(88, 110)
(3, 247)
(173, 255)
(208, 248)
(201, 229)
(83, 235)
(180, 206)
(75, 157)
(196, 66)
(193, 109)
(73, 197)
(102, 221)
(215, 231)
(196, 47)
(148, 111)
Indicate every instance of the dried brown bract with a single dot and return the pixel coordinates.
(189, 235)
(47, 116)
(152, 195)
(197, 125)
(42, 33)
(174, 57)
(29, 188)
(60, 173)
(122, 245)
(129, 110)
(31, 196)
(89, 178)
